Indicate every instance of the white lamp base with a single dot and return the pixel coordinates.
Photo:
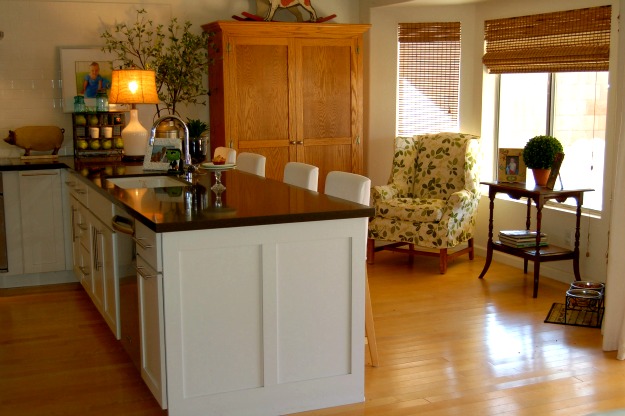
(135, 137)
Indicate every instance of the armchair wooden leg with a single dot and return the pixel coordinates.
(443, 261)
(370, 250)
(372, 343)
(471, 249)
(411, 254)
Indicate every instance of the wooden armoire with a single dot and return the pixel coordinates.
(288, 91)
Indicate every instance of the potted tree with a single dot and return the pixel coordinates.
(539, 154)
(178, 57)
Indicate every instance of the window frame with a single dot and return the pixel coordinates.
(565, 206)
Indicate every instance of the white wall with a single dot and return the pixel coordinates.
(35, 30)
(477, 115)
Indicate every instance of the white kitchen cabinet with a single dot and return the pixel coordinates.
(98, 251)
(43, 238)
(93, 243)
(79, 233)
(264, 319)
(152, 330)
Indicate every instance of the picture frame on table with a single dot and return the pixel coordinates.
(76, 66)
(555, 171)
(156, 154)
(510, 165)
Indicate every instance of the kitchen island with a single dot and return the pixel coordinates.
(251, 305)
(254, 305)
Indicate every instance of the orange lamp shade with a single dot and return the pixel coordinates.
(133, 86)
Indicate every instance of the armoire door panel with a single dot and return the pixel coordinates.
(261, 99)
(277, 157)
(327, 158)
(326, 91)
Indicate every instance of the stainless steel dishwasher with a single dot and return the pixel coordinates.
(126, 257)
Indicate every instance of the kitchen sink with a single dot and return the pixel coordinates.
(132, 182)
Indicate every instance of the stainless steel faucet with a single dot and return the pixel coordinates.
(188, 167)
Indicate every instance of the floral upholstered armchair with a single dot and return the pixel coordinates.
(431, 199)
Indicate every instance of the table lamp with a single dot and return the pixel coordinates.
(134, 86)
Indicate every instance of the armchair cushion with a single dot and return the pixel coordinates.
(412, 209)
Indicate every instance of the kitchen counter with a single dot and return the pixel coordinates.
(248, 200)
(251, 307)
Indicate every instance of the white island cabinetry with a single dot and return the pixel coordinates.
(264, 320)
(151, 320)
(93, 247)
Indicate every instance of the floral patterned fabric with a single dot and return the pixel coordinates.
(432, 196)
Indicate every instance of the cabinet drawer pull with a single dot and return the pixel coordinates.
(292, 142)
(141, 243)
(300, 142)
(143, 274)
(81, 191)
(84, 271)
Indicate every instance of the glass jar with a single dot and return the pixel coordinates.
(101, 101)
(79, 104)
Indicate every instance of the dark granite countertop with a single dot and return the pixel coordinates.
(249, 200)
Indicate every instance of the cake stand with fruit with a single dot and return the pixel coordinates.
(217, 166)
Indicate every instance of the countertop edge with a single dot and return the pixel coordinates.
(67, 162)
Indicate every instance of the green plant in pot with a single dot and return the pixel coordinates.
(539, 154)
(198, 144)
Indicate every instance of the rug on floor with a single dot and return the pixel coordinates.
(574, 317)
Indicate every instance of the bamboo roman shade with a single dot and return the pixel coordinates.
(573, 40)
(428, 77)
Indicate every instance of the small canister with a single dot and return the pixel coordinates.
(79, 104)
(101, 101)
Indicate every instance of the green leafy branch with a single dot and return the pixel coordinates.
(178, 57)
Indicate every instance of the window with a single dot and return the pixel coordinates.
(570, 106)
(428, 77)
(554, 81)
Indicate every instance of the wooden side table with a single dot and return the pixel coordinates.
(539, 195)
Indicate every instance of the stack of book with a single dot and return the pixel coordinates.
(521, 238)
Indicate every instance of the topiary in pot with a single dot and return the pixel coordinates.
(539, 154)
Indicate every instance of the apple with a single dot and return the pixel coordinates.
(80, 120)
(82, 144)
(107, 144)
(108, 170)
(95, 144)
(120, 170)
(93, 120)
(119, 143)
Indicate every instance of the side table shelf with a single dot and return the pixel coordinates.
(88, 145)
(551, 252)
(537, 254)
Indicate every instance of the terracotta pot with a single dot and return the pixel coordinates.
(541, 176)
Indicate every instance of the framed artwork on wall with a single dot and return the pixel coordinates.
(163, 155)
(84, 72)
(510, 165)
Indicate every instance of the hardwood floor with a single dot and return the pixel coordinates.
(58, 357)
(449, 345)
